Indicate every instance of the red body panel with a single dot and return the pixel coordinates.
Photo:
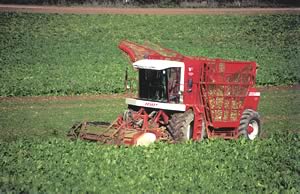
(217, 90)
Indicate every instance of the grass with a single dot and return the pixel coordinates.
(52, 118)
(52, 54)
(280, 111)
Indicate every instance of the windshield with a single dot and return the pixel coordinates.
(160, 85)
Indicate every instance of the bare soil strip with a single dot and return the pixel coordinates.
(109, 96)
(146, 11)
(276, 88)
(63, 98)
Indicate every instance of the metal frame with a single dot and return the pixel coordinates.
(234, 80)
(217, 90)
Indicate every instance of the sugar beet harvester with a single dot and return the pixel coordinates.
(181, 98)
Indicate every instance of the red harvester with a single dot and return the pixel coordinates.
(181, 98)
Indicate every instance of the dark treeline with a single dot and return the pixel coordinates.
(163, 3)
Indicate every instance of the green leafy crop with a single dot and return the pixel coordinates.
(35, 156)
(55, 165)
(53, 54)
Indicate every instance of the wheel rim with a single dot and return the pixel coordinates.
(253, 130)
(250, 129)
(188, 132)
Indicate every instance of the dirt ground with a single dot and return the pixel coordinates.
(150, 11)
(109, 96)
(62, 98)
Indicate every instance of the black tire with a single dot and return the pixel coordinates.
(250, 126)
(181, 126)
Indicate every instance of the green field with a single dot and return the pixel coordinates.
(37, 157)
(52, 54)
(55, 55)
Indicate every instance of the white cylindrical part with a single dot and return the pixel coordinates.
(146, 139)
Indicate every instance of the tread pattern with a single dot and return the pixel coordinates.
(179, 123)
(247, 116)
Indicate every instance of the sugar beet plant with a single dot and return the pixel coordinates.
(56, 165)
(52, 54)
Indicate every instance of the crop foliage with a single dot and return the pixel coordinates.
(53, 54)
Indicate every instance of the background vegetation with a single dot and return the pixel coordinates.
(52, 54)
(164, 3)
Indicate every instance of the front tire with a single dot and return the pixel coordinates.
(250, 127)
(181, 126)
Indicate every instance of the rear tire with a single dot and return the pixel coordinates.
(250, 124)
(181, 126)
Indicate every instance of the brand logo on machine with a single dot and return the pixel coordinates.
(152, 104)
